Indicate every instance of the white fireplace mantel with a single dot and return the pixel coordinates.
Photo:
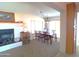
(17, 31)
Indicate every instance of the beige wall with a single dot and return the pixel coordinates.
(61, 7)
(63, 31)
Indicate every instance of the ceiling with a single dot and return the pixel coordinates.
(43, 9)
(30, 8)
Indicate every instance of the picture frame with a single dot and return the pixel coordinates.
(7, 17)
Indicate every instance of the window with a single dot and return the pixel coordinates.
(35, 25)
(55, 25)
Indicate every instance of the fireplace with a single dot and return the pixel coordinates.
(6, 36)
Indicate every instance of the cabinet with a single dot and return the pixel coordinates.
(25, 37)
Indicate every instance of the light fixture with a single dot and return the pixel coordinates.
(44, 16)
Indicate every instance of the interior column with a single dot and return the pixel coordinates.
(70, 28)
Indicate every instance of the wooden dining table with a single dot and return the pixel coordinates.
(47, 37)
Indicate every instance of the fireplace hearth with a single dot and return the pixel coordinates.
(6, 36)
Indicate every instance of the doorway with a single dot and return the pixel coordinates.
(77, 33)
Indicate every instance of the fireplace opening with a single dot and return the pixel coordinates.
(6, 36)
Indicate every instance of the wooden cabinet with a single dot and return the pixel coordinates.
(25, 37)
